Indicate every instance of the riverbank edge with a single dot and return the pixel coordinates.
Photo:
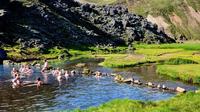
(180, 103)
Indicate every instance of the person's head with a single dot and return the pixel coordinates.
(66, 71)
(38, 79)
(14, 69)
(58, 69)
(45, 60)
(27, 66)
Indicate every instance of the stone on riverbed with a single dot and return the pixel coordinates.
(113, 74)
(81, 65)
(180, 90)
(128, 81)
(159, 86)
(86, 71)
(164, 87)
(97, 73)
(137, 82)
(150, 84)
(119, 78)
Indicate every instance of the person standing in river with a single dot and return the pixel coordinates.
(45, 67)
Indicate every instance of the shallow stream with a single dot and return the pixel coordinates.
(84, 91)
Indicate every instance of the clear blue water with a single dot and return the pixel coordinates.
(81, 93)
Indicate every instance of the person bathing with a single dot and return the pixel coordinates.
(45, 67)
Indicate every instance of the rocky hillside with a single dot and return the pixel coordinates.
(179, 18)
(65, 23)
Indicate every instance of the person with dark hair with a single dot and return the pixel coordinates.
(14, 72)
(16, 81)
(39, 82)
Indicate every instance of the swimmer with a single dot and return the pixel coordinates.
(22, 69)
(59, 76)
(14, 72)
(39, 82)
(73, 73)
(67, 76)
(53, 71)
(25, 69)
(29, 71)
(98, 75)
(45, 67)
(16, 81)
(57, 72)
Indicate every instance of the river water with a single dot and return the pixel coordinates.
(84, 91)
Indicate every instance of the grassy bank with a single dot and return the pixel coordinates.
(153, 53)
(179, 61)
(181, 103)
(188, 73)
(185, 46)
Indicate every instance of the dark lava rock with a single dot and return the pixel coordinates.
(48, 23)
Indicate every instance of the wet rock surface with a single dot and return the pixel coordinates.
(48, 23)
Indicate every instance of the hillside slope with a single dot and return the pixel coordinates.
(66, 23)
(177, 17)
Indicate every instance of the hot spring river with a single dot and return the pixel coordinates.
(83, 92)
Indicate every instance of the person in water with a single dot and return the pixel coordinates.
(98, 75)
(29, 71)
(22, 69)
(67, 76)
(57, 72)
(14, 72)
(16, 81)
(59, 76)
(73, 73)
(39, 82)
(45, 67)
